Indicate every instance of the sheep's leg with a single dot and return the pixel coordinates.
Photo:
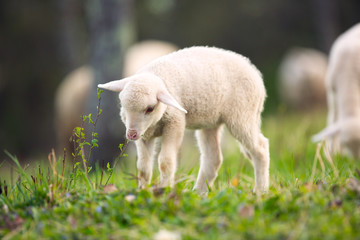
(261, 162)
(258, 150)
(144, 161)
(256, 147)
(210, 157)
(170, 146)
(333, 143)
(332, 107)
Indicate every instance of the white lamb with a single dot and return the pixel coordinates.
(198, 88)
(343, 92)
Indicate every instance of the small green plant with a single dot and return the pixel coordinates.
(122, 148)
(80, 142)
(83, 147)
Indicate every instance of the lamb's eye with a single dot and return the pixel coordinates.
(149, 110)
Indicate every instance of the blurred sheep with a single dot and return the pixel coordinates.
(144, 52)
(343, 92)
(302, 78)
(70, 103)
(73, 92)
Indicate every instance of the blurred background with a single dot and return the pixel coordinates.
(43, 41)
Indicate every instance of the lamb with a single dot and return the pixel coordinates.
(201, 88)
(302, 78)
(343, 92)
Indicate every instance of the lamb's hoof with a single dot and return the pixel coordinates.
(142, 185)
(158, 191)
(201, 192)
(260, 191)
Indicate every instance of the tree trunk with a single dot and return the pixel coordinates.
(326, 16)
(110, 33)
(71, 34)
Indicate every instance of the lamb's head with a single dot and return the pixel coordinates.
(144, 99)
(140, 108)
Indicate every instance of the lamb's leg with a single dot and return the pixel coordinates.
(144, 162)
(170, 146)
(333, 143)
(332, 107)
(256, 147)
(261, 161)
(210, 157)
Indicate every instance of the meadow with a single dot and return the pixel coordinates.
(312, 195)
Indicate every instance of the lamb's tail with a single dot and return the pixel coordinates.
(328, 132)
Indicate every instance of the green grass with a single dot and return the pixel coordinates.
(309, 198)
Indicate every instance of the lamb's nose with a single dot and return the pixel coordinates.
(132, 134)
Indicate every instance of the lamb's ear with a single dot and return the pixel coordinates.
(328, 132)
(116, 86)
(165, 97)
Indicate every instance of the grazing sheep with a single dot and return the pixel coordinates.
(72, 93)
(343, 89)
(199, 88)
(302, 78)
(144, 52)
